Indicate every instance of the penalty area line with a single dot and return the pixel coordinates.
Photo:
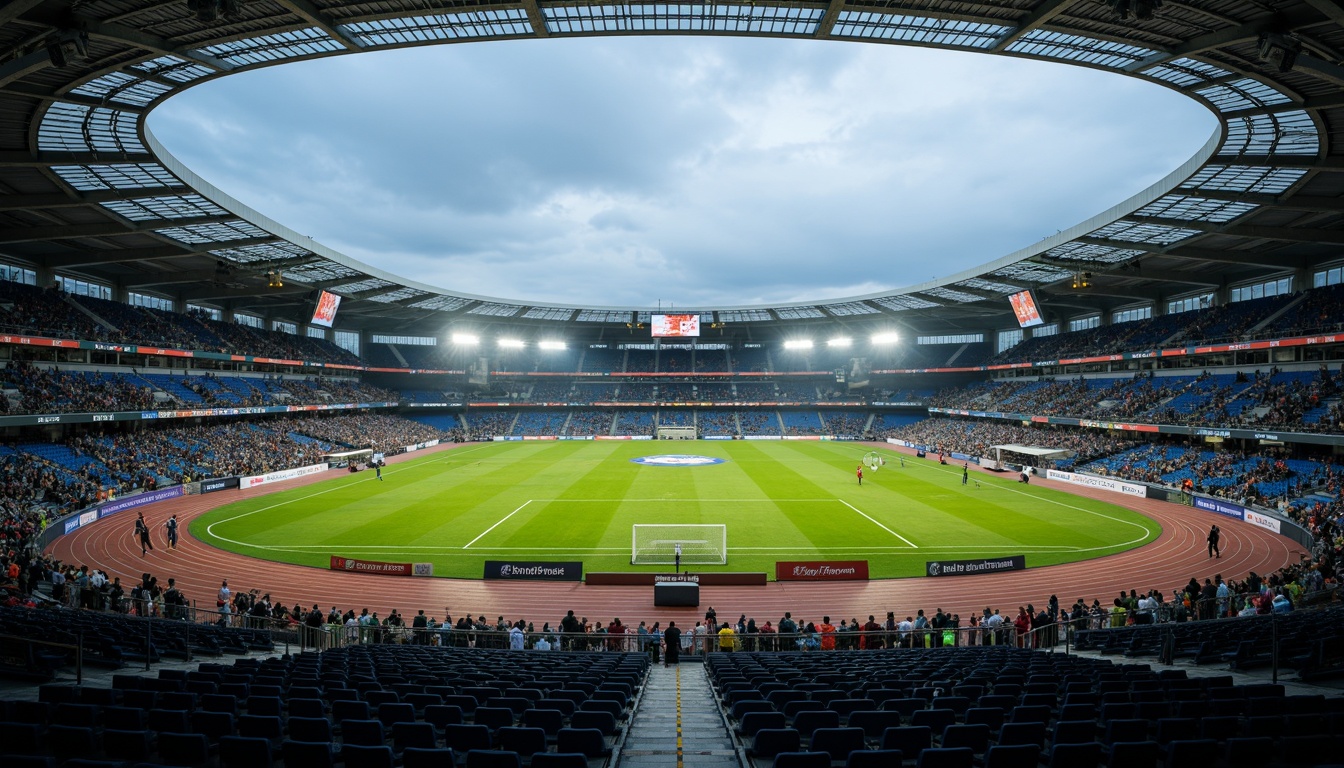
(496, 525)
(879, 525)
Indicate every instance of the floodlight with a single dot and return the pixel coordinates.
(551, 344)
(511, 343)
(887, 337)
(798, 344)
(1279, 51)
(839, 341)
(466, 339)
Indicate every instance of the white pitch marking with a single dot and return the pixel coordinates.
(879, 525)
(496, 525)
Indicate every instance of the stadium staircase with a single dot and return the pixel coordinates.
(678, 721)
(94, 316)
(953, 359)
(1274, 316)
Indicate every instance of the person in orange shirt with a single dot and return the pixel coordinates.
(827, 634)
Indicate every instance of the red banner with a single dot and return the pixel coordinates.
(352, 565)
(822, 570)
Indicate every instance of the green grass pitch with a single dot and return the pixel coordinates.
(577, 500)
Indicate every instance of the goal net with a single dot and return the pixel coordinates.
(676, 433)
(700, 544)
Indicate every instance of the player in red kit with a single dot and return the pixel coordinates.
(859, 471)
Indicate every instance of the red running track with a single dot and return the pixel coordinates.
(1164, 564)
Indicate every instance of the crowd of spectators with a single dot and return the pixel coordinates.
(758, 422)
(634, 423)
(53, 390)
(54, 313)
(1303, 401)
(550, 392)
(714, 422)
(39, 483)
(634, 393)
(483, 425)
(381, 432)
(1317, 312)
(27, 309)
(550, 422)
(801, 423)
(844, 423)
(590, 423)
(30, 576)
(975, 437)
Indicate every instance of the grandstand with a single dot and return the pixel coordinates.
(159, 346)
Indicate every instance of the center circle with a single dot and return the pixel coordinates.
(677, 460)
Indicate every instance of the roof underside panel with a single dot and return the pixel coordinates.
(744, 315)
(1085, 50)
(850, 309)
(214, 233)
(442, 303)
(665, 17)
(278, 251)
(160, 208)
(867, 25)
(78, 128)
(474, 25)
(87, 178)
(75, 145)
(282, 45)
(123, 88)
(904, 301)
(1096, 254)
(602, 316)
(1244, 178)
(547, 313)
(798, 313)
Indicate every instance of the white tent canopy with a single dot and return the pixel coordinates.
(1046, 454)
(1031, 450)
(347, 455)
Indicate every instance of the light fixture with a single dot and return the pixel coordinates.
(466, 339)
(551, 345)
(274, 279)
(1142, 10)
(1279, 51)
(511, 343)
(798, 344)
(67, 46)
(887, 337)
(1082, 280)
(839, 341)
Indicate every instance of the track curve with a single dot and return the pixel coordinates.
(1178, 554)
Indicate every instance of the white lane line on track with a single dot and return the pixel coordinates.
(496, 525)
(1140, 526)
(879, 525)
(598, 551)
(210, 529)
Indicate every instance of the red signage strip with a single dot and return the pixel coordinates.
(822, 570)
(352, 565)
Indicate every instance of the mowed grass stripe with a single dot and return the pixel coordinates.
(779, 500)
(597, 473)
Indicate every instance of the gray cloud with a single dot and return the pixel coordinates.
(695, 171)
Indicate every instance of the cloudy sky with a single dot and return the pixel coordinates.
(686, 171)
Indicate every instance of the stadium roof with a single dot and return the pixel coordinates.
(85, 188)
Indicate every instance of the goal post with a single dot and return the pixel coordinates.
(675, 432)
(701, 544)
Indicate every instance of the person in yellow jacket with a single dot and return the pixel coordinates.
(726, 634)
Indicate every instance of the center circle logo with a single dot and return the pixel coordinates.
(677, 460)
